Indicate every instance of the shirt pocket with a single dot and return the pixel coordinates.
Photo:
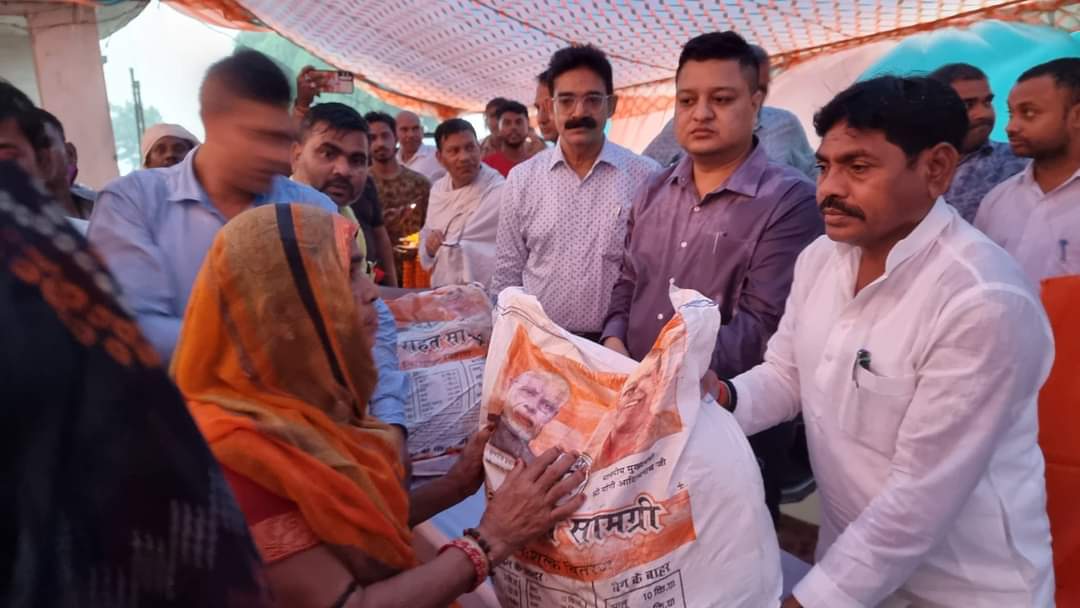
(613, 243)
(872, 418)
(1067, 256)
(729, 256)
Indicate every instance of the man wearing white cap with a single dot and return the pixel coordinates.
(165, 144)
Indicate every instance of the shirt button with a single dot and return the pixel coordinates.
(828, 357)
(660, 317)
(683, 244)
(696, 209)
(671, 281)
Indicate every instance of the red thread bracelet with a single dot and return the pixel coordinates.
(476, 556)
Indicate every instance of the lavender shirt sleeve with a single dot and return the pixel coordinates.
(120, 234)
(740, 344)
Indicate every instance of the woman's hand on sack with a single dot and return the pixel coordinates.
(526, 505)
(467, 474)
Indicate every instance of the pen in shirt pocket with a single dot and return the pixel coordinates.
(1064, 244)
(862, 359)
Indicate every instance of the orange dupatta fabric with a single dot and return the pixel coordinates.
(277, 371)
(1059, 418)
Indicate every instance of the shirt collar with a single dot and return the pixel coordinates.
(423, 151)
(183, 185)
(609, 154)
(928, 230)
(1027, 177)
(745, 180)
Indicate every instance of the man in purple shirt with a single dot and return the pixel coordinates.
(724, 220)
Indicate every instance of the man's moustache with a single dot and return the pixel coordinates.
(340, 183)
(834, 202)
(586, 122)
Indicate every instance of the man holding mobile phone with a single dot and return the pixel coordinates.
(366, 207)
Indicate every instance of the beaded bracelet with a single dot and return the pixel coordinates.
(472, 550)
(474, 534)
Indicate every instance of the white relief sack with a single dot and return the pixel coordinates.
(675, 512)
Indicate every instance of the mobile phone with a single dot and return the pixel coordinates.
(335, 81)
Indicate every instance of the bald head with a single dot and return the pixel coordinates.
(410, 133)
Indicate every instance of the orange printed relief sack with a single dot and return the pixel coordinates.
(443, 340)
(675, 512)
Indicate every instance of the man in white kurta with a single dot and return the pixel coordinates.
(457, 242)
(915, 349)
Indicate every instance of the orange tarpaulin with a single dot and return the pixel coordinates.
(1059, 423)
(446, 57)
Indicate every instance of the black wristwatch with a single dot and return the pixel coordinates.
(733, 396)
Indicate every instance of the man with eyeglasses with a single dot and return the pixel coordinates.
(457, 242)
(562, 220)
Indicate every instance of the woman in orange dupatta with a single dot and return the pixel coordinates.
(275, 362)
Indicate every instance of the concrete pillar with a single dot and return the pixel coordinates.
(17, 60)
(71, 84)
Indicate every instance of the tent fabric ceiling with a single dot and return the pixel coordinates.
(456, 54)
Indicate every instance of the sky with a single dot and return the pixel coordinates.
(170, 52)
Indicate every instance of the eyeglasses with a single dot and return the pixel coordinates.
(446, 231)
(590, 102)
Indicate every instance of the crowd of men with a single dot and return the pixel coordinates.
(893, 304)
